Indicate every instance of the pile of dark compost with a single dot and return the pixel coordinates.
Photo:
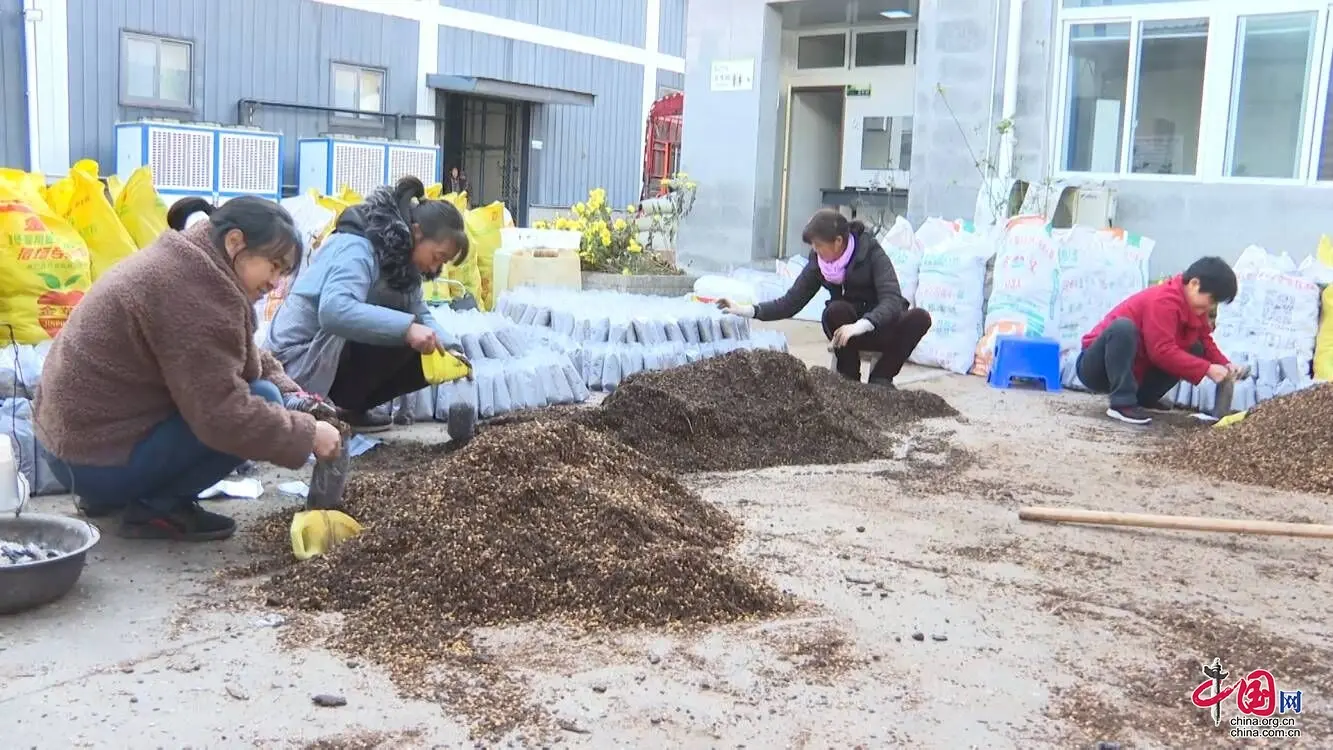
(756, 409)
(537, 520)
(1282, 443)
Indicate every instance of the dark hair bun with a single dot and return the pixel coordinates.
(408, 187)
(181, 211)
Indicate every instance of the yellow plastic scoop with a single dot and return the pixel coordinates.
(441, 367)
(1230, 419)
(315, 532)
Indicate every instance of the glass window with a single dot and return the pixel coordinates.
(344, 88)
(174, 60)
(1272, 74)
(1169, 97)
(1143, 97)
(1095, 113)
(371, 89)
(821, 51)
(156, 72)
(140, 68)
(1325, 168)
(877, 143)
(358, 88)
(876, 48)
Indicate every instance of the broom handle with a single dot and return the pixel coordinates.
(1181, 523)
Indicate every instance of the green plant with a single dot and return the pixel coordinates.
(664, 225)
(1001, 201)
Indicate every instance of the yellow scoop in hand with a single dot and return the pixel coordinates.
(315, 532)
(441, 367)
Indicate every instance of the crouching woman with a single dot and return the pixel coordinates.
(155, 389)
(866, 311)
(355, 324)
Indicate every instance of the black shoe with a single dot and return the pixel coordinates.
(1129, 414)
(365, 421)
(882, 382)
(187, 522)
(1160, 406)
(94, 511)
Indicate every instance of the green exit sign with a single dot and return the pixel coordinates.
(858, 91)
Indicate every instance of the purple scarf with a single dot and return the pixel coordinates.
(834, 272)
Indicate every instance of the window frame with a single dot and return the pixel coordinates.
(155, 102)
(340, 119)
(842, 31)
(1224, 17)
(909, 56)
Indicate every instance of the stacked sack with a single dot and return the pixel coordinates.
(1272, 326)
(612, 335)
(20, 371)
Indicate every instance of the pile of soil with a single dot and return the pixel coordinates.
(537, 520)
(1282, 443)
(755, 409)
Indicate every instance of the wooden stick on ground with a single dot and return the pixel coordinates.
(1179, 523)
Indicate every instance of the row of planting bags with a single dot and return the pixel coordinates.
(1025, 278)
(546, 346)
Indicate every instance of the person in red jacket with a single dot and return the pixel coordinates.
(1157, 338)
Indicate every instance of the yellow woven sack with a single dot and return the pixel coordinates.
(44, 268)
(141, 209)
(94, 218)
(1323, 340)
(483, 232)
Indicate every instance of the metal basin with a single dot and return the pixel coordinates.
(29, 585)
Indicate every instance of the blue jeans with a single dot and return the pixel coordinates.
(168, 466)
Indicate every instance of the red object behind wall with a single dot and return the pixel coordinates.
(661, 153)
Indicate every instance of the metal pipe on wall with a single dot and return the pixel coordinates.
(29, 17)
(990, 100)
(246, 109)
(1009, 101)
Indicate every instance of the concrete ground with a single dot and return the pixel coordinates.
(936, 619)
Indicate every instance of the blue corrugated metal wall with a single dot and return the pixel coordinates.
(621, 21)
(583, 147)
(671, 28)
(279, 50)
(13, 103)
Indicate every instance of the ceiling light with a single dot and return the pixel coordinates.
(896, 15)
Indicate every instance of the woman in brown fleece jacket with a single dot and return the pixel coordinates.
(155, 389)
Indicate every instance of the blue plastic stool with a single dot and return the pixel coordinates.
(1022, 357)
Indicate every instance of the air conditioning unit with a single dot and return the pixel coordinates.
(209, 161)
(329, 164)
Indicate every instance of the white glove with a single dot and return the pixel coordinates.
(847, 332)
(745, 311)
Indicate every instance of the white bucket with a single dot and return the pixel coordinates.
(13, 485)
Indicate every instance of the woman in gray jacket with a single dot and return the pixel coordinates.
(355, 322)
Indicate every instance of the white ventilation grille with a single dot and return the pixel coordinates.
(414, 162)
(248, 164)
(181, 159)
(358, 166)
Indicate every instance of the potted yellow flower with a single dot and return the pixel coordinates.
(616, 251)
